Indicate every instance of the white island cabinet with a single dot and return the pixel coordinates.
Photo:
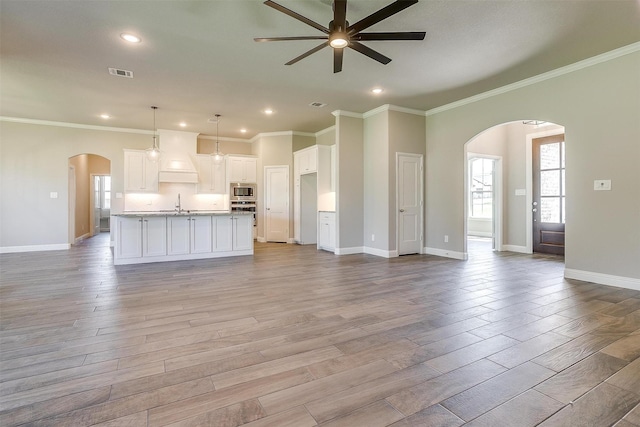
(188, 235)
(233, 233)
(143, 238)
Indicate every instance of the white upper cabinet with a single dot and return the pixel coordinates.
(140, 174)
(242, 169)
(307, 160)
(211, 175)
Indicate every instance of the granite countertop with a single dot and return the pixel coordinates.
(184, 212)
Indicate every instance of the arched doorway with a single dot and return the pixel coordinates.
(499, 187)
(89, 196)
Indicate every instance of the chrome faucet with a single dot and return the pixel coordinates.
(179, 205)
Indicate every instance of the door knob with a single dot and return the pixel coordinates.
(401, 210)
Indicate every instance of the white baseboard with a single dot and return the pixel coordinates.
(480, 234)
(380, 252)
(261, 239)
(81, 238)
(349, 251)
(446, 253)
(516, 248)
(603, 279)
(34, 248)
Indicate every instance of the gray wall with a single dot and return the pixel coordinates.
(406, 135)
(598, 106)
(376, 181)
(273, 150)
(33, 162)
(349, 182)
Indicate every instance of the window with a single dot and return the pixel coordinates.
(481, 188)
(552, 193)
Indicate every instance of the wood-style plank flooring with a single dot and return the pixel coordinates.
(298, 337)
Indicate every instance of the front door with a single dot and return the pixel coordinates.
(548, 194)
(409, 196)
(276, 180)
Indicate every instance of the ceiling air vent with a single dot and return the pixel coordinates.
(121, 73)
(317, 104)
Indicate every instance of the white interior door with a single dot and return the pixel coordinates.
(409, 202)
(276, 214)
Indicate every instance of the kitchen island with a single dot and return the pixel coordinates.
(158, 236)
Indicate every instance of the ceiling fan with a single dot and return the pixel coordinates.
(339, 34)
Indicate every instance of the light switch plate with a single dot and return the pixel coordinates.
(118, 195)
(53, 195)
(602, 184)
(521, 192)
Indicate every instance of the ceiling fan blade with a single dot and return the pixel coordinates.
(411, 35)
(307, 53)
(340, 14)
(337, 60)
(297, 16)
(384, 13)
(279, 39)
(369, 52)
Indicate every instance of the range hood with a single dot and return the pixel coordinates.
(177, 153)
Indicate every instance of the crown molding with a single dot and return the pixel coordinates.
(73, 125)
(327, 130)
(391, 107)
(224, 138)
(345, 113)
(595, 60)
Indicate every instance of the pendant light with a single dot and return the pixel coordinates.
(153, 153)
(218, 154)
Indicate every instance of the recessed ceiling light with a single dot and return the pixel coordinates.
(182, 124)
(130, 38)
(268, 111)
(243, 130)
(376, 90)
(105, 116)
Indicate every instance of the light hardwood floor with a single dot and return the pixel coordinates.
(298, 337)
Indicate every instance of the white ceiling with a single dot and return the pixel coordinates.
(198, 58)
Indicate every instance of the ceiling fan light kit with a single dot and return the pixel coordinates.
(340, 35)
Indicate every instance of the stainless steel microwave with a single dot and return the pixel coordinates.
(239, 192)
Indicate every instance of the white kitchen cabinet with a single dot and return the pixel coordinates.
(307, 160)
(200, 237)
(327, 231)
(242, 169)
(140, 173)
(154, 236)
(188, 235)
(242, 232)
(172, 237)
(138, 237)
(211, 175)
(222, 233)
(128, 238)
(233, 233)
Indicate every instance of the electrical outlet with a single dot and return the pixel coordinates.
(373, 237)
(446, 238)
